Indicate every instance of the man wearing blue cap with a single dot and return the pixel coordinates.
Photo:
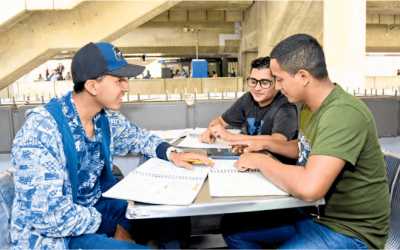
(63, 156)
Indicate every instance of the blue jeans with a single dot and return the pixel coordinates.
(113, 213)
(285, 229)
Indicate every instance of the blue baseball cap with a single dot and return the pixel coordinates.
(97, 59)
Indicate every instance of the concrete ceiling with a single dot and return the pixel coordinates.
(383, 7)
(213, 5)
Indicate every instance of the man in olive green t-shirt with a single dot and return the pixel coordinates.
(339, 158)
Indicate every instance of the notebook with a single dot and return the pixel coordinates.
(160, 182)
(192, 141)
(226, 181)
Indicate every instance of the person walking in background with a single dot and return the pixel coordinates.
(40, 78)
(398, 72)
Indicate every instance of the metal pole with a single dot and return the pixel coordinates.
(365, 92)
(395, 93)
(197, 44)
(222, 94)
(236, 95)
(138, 96)
(127, 96)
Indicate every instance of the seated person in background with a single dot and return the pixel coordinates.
(261, 113)
(398, 72)
(339, 158)
(184, 73)
(233, 72)
(40, 78)
(147, 76)
(63, 158)
(214, 74)
(68, 77)
(54, 76)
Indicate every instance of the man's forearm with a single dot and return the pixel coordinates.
(241, 137)
(288, 149)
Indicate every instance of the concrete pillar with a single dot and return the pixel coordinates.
(225, 70)
(278, 20)
(344, 42)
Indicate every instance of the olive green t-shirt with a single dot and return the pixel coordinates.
(357, 203)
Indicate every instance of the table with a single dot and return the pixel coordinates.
(204, 204)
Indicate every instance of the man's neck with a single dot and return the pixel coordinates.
(318, 92)
(86, 106)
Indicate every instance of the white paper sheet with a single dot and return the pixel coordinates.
(226, 181)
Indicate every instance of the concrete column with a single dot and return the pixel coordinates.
(344, 42)
(225, 70)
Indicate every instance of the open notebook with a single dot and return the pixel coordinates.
(226, 181)
(160, 182)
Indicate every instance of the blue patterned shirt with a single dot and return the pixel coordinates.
(43, 213)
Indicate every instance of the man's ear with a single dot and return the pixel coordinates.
(90, 86)
(304, 76)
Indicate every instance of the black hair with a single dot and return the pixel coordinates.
(79, 87)
(260, 63)
(301, 51)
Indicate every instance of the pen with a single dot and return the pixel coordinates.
(198, 162)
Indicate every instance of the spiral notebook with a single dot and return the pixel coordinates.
(160, 182)
(226, 181)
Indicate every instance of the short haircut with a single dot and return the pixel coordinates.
(260, 63)
(301, 51)
(80, 86)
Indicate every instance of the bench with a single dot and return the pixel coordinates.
(392, 162)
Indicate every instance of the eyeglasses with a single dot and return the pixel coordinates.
(264, 83)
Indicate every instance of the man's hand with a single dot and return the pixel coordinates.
(247, 146)
(123, 235)
(207, 137)
(248, 161)
(220, 131)
(178, 159)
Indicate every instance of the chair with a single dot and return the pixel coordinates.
(393, 241)
(6, 199)
(392, 162)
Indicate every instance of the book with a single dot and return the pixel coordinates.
(226, 181)
(192, 141)
(160, 182)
